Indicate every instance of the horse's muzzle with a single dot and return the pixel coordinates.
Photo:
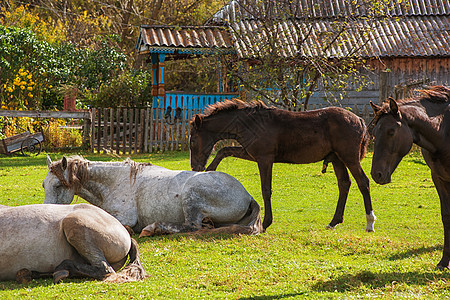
(197, 168)
(380, 177)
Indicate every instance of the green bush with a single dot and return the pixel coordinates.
(128, 89)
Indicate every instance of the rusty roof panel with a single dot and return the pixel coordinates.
(202, 37)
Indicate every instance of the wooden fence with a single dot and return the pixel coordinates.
(140, 130)
(146, 130)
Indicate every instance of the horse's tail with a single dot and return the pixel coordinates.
(253, 218)
(134, 271)
(365, 139)
(252, 221)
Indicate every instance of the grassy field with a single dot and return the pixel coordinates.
(296, 258)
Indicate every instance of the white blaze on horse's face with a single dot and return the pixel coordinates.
(55, 191)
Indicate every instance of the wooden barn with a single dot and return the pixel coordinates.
(408, 48)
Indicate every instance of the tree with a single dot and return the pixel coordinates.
(286, 50)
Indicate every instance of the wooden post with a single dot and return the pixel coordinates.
(183, 128)
(99, 131)
(147, 120)
(86, 131)
(383, 86)
(105, 130)
(161, 125)
(124, 137)
(130, 131)
(92, 129)
(152, 128)
(118, 131)
(111, 129)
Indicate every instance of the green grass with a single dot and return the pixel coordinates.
(296, 258)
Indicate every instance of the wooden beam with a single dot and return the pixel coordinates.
(46, 114)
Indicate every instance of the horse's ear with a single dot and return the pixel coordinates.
(393, 106)
(64, 163)
(197, 122)
(375, 107)
(49, 161)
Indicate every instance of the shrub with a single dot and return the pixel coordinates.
(59, 137)
(127, 89)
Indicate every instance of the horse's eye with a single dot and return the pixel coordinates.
(391, 132)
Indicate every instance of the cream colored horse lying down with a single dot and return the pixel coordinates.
(60, 241)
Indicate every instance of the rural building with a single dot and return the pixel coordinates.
(407, 48)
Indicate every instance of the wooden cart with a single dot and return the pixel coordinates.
(28, 143)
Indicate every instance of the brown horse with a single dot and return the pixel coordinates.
(425, 121)
(269, 135)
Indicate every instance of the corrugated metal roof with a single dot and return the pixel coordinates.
(423, 29)
(185, 39)
(321, 9)
(424, 36)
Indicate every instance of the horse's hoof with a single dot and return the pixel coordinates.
(330, 227)
(23, 276)
(149, 230)
(60, 275)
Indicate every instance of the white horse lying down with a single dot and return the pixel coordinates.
(45, 240)
(153, 199)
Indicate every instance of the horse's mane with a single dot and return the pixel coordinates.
(434, 94)
(231, 105)
(77, 168)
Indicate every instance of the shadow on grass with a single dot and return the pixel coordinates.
(281, 296)
(37, 283)
(420, 162)
(372, 280)
(415, 252)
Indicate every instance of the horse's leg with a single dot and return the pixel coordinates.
(364, 186)
(443, 189)
(83, 235)
(70, 268)
(265, 173)
(344, 183)
(162, 228)
(24, 276)
(238, 152)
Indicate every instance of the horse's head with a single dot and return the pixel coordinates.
(201, 143)
(393, 140)
(55, 183)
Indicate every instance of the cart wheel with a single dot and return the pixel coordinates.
(31, 146)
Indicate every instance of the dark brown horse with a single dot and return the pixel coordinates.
(425, 121)
(269, 135)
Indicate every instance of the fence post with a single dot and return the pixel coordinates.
(92, 129)
(99, 131)
(118, 131)
(105, 130)
(124, 125)
(161, 127)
